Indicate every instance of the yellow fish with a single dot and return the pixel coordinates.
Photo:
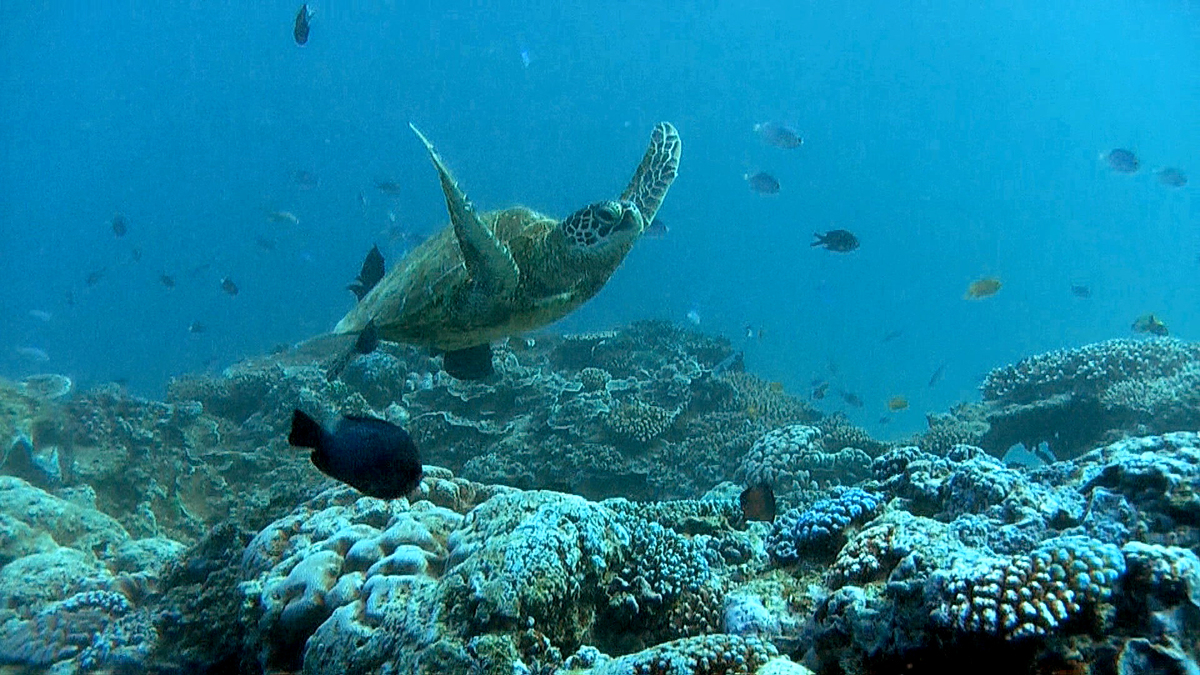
(982, 288)
(1150, 324)
(897, 403)
(777, 387)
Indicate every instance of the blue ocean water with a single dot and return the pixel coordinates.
(956, 140)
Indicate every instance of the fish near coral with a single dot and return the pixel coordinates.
(758, 502)
(1149, 323)
(897, 403)
(375, 457)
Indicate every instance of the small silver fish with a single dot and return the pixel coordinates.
(778, 135)
(762, 183)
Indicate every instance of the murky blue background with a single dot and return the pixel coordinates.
(956, 140)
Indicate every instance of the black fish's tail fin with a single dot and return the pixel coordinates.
(820, 239)
(306, 432)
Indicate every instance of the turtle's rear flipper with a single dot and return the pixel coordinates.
(472, 363)
(488, 262)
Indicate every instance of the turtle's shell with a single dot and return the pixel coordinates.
(429, 298)
(493, 275)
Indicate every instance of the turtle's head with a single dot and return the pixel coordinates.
(603, 226)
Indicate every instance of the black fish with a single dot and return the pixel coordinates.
(265, 243)
(228, 286)
(819, 390)
(763, 183)
(852, 398)
(377, 458)
(135, 254)
(94, 277)
(300, 30)
(1081, 291)
(892, 335)
(369, 275)
(758, 502)
(841, 241)
(120, 226)
(389, 187)
(1122, 160)
(367, 342)
(472, 363)
(166, 280)
(197, 328)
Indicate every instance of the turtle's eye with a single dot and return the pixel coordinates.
(608, 214)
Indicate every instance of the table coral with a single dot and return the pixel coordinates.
(1090, 369)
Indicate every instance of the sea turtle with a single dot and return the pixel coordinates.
(492, 275)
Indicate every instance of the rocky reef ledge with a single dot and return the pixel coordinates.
(186, 537)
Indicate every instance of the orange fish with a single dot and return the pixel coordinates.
(982, 288)
(897, 403)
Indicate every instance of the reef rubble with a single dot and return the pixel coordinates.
(579, 516)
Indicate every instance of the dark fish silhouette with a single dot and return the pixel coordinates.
(840, 241)
(377, 458)
(762, 183)
(389, 187)
(758, 502)
(891, 335)
(166, 280)
(228, 286)
(135, 254)
(778, 135)
(1081, 291)
(367, 342)
(852, 399)
(370, 274)
(300, 29)
(265, 243)
(937, 375)
(1122, 160)
(197, 327)
(657, 229)
(120, 226)
(305, 180)
(819, 391)
(1171, 177)
(95, 276)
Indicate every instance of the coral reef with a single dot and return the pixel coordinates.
(577, 517)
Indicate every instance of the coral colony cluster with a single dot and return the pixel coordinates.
(579, 514)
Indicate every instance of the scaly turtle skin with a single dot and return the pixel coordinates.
(493, 275)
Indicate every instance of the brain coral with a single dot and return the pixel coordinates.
(314, 561)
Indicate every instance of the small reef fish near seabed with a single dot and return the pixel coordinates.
(373, 456)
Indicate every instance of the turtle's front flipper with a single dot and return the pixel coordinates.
(488, 262)
(472, 363)
(657, 171)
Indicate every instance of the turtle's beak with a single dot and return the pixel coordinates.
(631, 219)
